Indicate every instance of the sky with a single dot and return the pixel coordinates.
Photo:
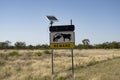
(24, 20)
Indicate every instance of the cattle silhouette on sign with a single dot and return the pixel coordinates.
(58, 36)
(66, 36)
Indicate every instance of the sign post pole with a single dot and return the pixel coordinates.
(52, 19)
(72, 64)
(52, 62)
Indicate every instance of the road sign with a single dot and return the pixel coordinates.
(62, 39)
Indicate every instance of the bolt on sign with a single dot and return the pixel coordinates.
(62, 37)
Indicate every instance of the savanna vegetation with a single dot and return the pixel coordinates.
(28, 62)
(90, 64)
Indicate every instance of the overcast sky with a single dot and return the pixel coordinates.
(24, 20)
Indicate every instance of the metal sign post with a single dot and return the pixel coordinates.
(52, 19)
(72, 63)
(72, 55)
(52, 61)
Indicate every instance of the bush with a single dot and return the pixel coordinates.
(3, 56)
(14, 53)
(47, 52)
(38, 53)
(28, 54)
(61, 78)
(2, 62)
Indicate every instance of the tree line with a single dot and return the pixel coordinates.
(21, 45)
(85, 45)
(105, 45)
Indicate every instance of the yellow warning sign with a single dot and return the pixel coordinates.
(62, 45)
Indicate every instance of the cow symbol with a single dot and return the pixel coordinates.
(66, 36)
(58, 36)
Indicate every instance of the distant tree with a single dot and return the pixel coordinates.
(115, 45)
(8, 42)
(108, 45)
(1, 45)
(5, 45)
(38, 46)
(85, 41)
(97, 46)
(45, 46)
(79, 46)
(105, 45)
(30, 47)
(20, 45)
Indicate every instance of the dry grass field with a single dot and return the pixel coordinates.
(94, 64)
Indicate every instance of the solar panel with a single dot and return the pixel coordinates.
(52, 18)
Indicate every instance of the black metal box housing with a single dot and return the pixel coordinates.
(61, 28)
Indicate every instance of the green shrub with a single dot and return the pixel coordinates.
(2, 62)
(14, 53)
(38, 53)
(47, 52)
(3, 56)
(28, 54)
(61, 78)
